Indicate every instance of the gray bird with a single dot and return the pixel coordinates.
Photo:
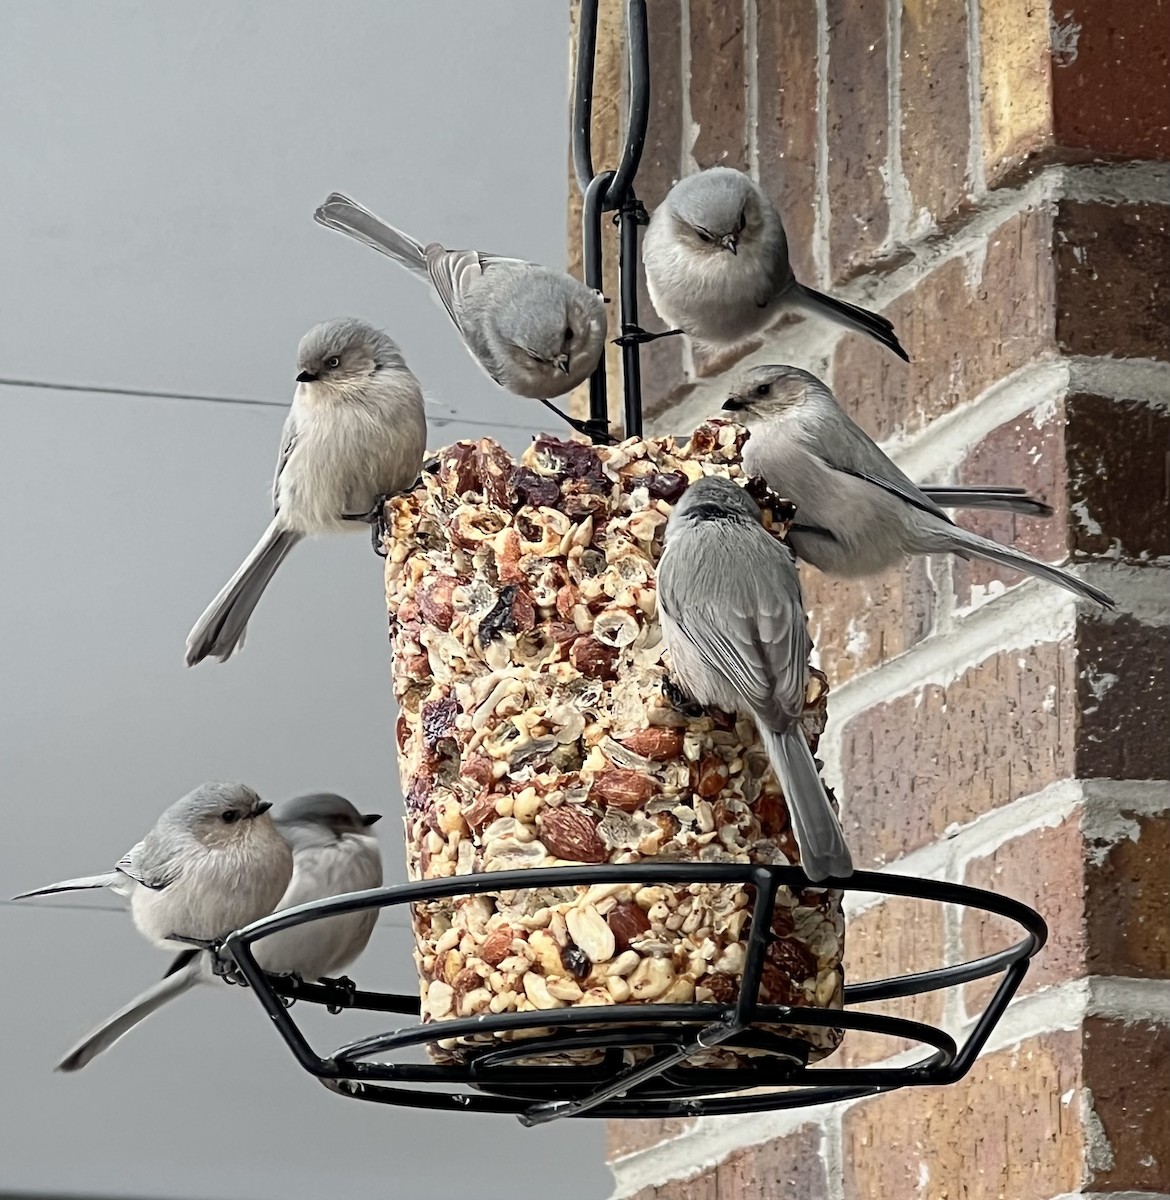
(538, 333)
(857, 514)
(356, 433)
(733, 620)
(716, 259)
(213, 861)
(331, 854)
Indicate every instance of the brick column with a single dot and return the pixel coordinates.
(992, 174)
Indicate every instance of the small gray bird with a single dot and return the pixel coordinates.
(331, 854)
(538, 333)
(857, 514)
(356, 433)
(213, 862)
(716, 259)
(733, 620)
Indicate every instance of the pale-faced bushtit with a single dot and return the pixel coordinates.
(536, 332)
(213, 861)
(331, 853)
(717, 268)
(355, 433)
(857, 514)
(733, 620)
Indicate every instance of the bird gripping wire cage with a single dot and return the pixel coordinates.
(647, 1059)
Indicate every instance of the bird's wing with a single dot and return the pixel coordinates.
(845, 447)
(450, 272)
(742, 612)
(288, 439)
(149, 863)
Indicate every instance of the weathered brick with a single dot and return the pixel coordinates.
(858, 624)
(718, 85)
(1112, 272)
(1127, 1071)
(858, 115)
(782, 1169)
(893, 938)
(701, 1187)
(1123, 692)
(786, 125)
(625, 1137)
(1004, 729)
(1015, 74)
(965, 325)
(1117, 476)
(1027, 452)
(1045, 870)
(1127, 899)
(1004, 1131)
(936, 122)
(1111, 77)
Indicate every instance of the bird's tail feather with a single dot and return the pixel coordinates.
(1000, 499)
(966, 544)
(861, 319)
(823, 851)
(109, 1031)
(220, 630)
(72, 885)
(351, 218)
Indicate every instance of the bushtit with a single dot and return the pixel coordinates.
(733, 620)
(331, 854)
(536, 332)
(857, 514)
(355, 433)
(213, 861)
(717, 267)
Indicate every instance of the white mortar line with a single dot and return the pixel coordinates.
(1056, 1009)
(898, 204)
(1140, 591)
(822, 215)
(751, 73)
(804, 344)
(690, 131)
(1095, 1195)
(833, 1154)
(1143, 379)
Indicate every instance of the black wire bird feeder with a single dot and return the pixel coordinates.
(640, 1062)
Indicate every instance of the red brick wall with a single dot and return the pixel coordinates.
(992, 174)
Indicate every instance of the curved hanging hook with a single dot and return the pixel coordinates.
(613, 191)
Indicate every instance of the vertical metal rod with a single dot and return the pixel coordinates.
(592, 261)
(628, 277)
(583, 93)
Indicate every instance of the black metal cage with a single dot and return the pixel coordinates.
(510, 1078)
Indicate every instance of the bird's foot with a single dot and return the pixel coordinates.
(596, 431)
(376, 520)
(222, 966)
(635, 335)
(680, 699)
(347, 990)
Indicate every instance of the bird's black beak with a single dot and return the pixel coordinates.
(370, 818)
(261, 808)
(730, 242)
(306, 377)
(734, 404)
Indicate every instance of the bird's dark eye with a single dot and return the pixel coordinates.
(568, 333)
(763, 389)
(229, 816)
(332, 362)
(534, 356)
(742, 221)
(704, 235)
